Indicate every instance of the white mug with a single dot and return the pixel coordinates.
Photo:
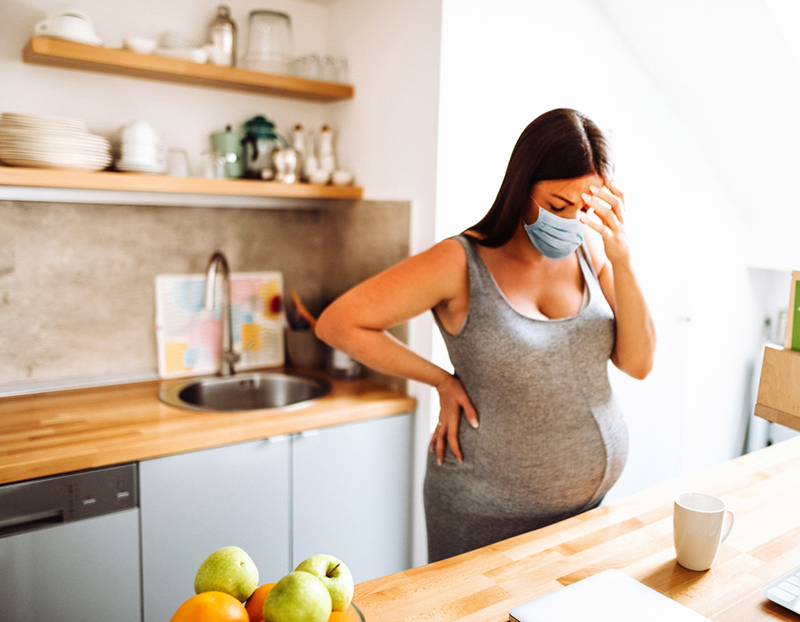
(700, 524)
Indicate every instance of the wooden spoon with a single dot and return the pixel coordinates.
(302, 311)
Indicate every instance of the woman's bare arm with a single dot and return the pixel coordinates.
(356, 323)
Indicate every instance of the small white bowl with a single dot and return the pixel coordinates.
(342, 178)
(319, 177)
(140, 45)
(195, 55)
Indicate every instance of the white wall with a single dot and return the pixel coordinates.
(730, 70)
(503, 65)
(770, 292)
(390, 130)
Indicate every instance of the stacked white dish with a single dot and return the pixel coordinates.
(42, 141)
(140, 150)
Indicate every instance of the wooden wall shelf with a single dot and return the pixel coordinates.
(134, 182)
(57, 53)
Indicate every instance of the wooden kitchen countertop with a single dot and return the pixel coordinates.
(61, 431)
(633, 535)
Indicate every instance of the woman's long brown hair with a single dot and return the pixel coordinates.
(560, 144)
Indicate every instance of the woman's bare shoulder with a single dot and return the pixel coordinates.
(435, 269)
(449, 253)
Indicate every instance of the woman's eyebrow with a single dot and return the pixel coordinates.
(567, 201)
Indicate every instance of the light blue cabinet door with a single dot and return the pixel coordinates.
(352, 495)
(195, 503)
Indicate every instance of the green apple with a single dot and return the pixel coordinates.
(334, 575)
(228, 570)
(297, 597)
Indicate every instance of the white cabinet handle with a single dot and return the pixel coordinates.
(309, 433)
(278, 439)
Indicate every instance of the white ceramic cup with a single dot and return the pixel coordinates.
(700, 524)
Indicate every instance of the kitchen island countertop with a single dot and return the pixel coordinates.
(62, 431)
(633, 535)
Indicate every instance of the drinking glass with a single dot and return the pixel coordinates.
(212, 165)
(178, 163)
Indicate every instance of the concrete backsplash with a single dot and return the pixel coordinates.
(77, 282)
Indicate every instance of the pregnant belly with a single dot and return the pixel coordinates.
(542, 467)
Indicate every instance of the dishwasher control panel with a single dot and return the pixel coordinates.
(34, 504)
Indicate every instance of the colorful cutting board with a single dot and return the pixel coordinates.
(188, 336)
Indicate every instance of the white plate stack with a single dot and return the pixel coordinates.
(41, 141)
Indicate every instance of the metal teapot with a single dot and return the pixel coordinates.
(260, 140)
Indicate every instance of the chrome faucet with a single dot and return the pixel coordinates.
(227, 357)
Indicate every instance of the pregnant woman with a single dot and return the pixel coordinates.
(532, 303)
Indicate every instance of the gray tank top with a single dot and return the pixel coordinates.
(552, 439)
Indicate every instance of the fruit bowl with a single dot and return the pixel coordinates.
(354, 612)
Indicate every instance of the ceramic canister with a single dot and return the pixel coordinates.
(229, 145)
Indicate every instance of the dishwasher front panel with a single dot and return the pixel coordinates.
(86, 571)
(71, 555)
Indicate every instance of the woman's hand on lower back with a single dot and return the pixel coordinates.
(453, 399)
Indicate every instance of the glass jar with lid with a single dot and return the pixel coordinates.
(269, 42)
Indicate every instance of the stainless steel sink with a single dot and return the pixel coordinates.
(247, 391)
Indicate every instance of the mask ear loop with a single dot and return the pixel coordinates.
(536, 203)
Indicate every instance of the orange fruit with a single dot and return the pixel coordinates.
(211, 607)
(340, 616)
(255, 604)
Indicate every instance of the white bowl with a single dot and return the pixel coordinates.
(140, 45)
(172, 39)
(342, 178)
(195, 55)
(319, 177)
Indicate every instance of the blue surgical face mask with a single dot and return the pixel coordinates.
(555, 237)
